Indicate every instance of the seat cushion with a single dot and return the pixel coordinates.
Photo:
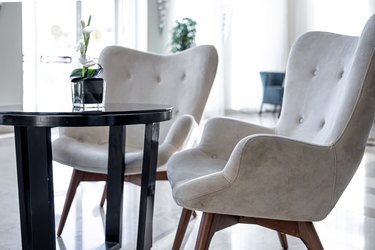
(93, 157)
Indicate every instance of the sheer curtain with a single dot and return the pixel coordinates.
(209, 17)
(249, 35)
(252, 36)
(258, 42)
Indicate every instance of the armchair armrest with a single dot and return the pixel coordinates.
(181, 132)
(221, 135)
(279, 173)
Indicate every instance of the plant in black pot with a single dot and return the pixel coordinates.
(183, 35)
(88, 88)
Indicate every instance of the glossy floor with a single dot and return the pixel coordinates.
(351, 225)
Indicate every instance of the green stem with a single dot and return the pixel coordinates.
(84, 71)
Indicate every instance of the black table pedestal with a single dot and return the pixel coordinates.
(115, 186)
(34, 166)
(146, 210)
(35, 187)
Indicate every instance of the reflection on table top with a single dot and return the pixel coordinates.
(64, 116)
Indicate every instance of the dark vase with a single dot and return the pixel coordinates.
(88, 93)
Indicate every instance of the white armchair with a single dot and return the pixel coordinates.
(182, 80)
(289, 176)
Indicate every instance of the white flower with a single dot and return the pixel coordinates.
(82, 59)
(80, 47)
(86, 62)
(87, 30)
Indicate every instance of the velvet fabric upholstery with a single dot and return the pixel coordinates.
(182, 80)
(297, 170)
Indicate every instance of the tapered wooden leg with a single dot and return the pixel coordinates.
(104, 196)
(136, 180)
(181, 229)
(77, 177)
(207, 230)
(309, 236)
(283, 240)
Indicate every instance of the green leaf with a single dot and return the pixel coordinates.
(76, 73)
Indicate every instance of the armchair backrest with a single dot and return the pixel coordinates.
(183, 80)
(329, 96)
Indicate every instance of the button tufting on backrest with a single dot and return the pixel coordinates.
(322, 124)
(158, 79)
(315, 72)
(300, 120)
(342, 74)
(183, 77)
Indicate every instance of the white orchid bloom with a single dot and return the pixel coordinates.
(87, 30)
(86, 62)
(89, 63)
(80, 47)
(83, 59)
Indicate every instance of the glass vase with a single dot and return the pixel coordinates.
(88, 93)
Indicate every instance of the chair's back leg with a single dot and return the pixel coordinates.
(283, 240)
(77, 177)
(104, 196)
(181, 229)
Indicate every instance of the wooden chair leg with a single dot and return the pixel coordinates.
(181, 229)
(104, 196)
(77, 177)
(206, 231)
(283, 240)
(309, 236)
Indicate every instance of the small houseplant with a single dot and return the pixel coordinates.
(87, 85)
(183, 35)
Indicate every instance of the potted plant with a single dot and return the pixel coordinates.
(87, 86)
(183, 35)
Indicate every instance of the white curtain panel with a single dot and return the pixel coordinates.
(253, 36)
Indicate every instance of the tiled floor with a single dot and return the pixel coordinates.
(351, 225)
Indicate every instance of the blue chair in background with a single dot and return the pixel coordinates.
(273, 89)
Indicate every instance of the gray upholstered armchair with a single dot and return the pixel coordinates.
(289, 176)
(183, 80)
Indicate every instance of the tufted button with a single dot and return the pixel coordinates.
(323, 123)
(214, 156)
(158, 79)
(342, 74)
(315, 72)
(183, 77)
(300, 120)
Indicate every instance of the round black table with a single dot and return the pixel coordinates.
(32, 127)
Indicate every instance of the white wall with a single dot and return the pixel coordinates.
(157, 39)
(10, 56)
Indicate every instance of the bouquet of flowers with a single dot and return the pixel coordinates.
(85, 71)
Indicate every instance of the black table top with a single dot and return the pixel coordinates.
(65, 116)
